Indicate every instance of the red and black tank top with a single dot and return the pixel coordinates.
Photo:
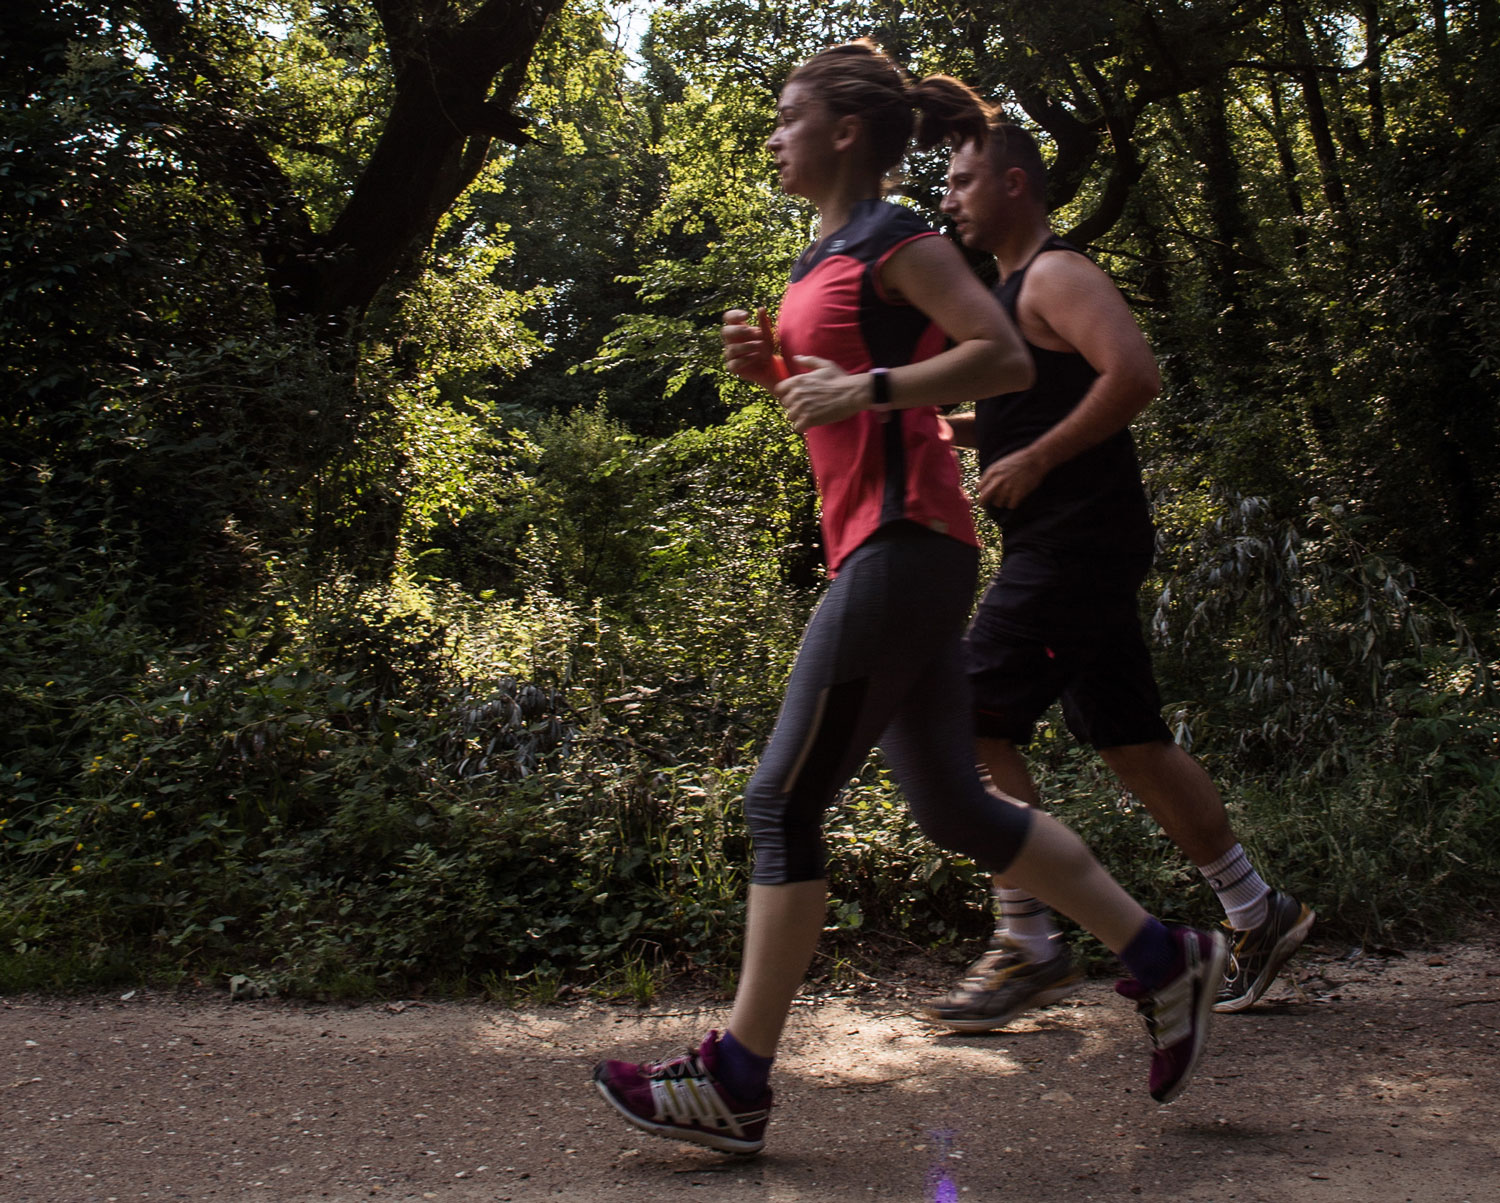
(871, 468)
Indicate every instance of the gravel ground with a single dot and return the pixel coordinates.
(1362, 1079)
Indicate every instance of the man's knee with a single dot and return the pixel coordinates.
(1142, 758)
(1005, 723)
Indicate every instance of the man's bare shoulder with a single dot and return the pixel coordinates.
(1064, 269)
(1060, 284)
(1069, 303)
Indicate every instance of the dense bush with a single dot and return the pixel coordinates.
(401, 785)
(352, 813)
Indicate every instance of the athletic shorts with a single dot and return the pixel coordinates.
(1056, 625)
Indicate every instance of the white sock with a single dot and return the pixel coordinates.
(1239, 888)
(1027, 921)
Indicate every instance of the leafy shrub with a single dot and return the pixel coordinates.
(378, 786)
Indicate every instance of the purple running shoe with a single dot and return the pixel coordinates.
(1178, 1012)
(682, 1099)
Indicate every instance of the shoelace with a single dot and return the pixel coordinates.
(1168, 1012)
(684, 1091)
(990, 962)
(988, 966)
(685, 1066)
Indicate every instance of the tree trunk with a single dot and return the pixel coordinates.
(458, 72)
(454, 90)
(1374, 81)
(1438, 11)
(1317, 123)
(1232, 240)
(1287, 160)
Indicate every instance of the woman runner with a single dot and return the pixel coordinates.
(883, 322)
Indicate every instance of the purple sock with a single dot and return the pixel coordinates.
(1152, 954)
(745, 1074)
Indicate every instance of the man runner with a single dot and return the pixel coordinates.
(1060, 476)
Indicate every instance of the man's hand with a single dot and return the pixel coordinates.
(1010, 480)
(822, 393)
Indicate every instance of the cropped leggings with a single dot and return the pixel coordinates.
(880, 663)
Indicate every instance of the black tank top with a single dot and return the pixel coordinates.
(1094, 501)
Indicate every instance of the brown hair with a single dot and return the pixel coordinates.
(1011, 146)
(859, 79)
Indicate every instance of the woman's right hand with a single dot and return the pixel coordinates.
(749, 351)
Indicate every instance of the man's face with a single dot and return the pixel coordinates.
(978, 198)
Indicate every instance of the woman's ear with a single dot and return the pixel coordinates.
(846, 131)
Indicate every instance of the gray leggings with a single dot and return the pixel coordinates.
(880, 664)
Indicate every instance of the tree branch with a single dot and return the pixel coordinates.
(458, 75)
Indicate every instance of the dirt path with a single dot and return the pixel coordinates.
(1370, 1079)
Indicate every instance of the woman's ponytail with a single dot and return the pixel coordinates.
(859, 78)
(948, 110)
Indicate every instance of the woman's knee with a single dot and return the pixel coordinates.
(788, 846)
(978, 824)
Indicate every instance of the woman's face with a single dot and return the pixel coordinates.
(803, 141)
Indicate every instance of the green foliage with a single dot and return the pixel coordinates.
(333, 87)
(357, 656)
(725, 64)
(581, 196)
(335, 810)
(1320, 631)
(1355, 731)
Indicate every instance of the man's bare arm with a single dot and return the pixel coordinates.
(1069, 304)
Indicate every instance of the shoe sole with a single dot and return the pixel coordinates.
(1203, 1016)
(696, 1136)
(1285, 948)
(1042, 998)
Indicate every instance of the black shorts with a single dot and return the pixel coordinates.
(1056, 625)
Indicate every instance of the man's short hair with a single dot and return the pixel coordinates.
(1011, 146)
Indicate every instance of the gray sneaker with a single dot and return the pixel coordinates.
(1002, 984)
(1256, 956)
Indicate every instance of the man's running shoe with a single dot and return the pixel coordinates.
(1256, 956)
(1002, 984)
(1179, 1011)
(681, 1099)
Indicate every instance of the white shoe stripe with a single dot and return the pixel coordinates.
(690, 1101)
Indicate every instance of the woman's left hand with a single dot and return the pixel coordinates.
(821, 393)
